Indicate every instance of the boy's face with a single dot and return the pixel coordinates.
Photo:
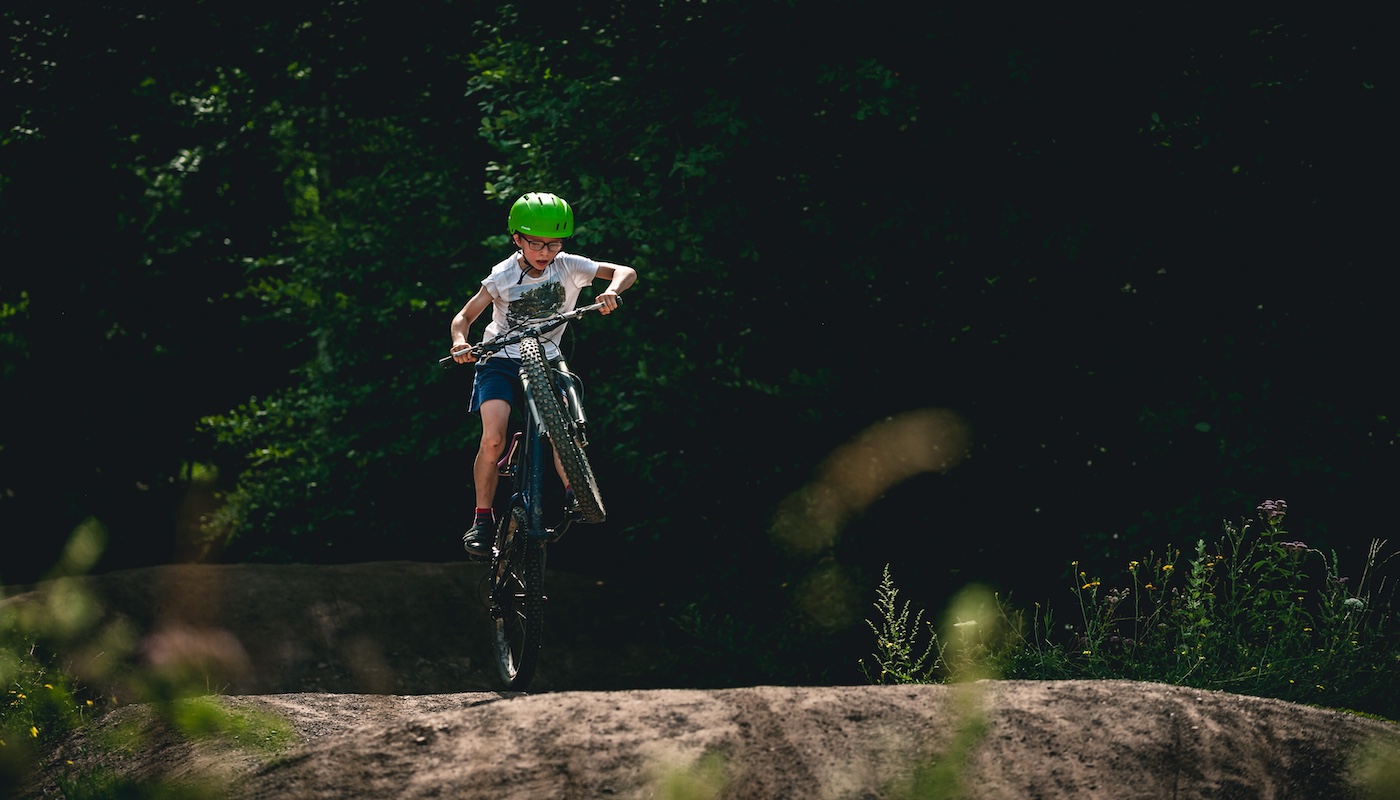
(538, 250)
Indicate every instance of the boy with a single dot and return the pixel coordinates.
(538, 280)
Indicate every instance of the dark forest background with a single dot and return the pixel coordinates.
(1137, 253)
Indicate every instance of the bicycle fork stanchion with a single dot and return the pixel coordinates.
(533, 488)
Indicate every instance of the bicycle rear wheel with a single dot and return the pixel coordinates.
(563, 434)
(517, 601)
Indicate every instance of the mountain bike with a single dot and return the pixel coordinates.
(513, 588)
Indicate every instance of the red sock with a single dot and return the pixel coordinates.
(485, 515)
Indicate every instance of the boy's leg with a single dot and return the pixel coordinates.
(495, 416)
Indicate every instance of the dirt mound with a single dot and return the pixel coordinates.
(316, 627)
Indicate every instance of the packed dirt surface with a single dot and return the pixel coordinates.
(331, 683)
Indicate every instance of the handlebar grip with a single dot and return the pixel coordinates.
(453, 356)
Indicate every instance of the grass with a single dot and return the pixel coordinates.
(1252, 612)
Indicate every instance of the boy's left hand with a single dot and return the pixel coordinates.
(609, 299)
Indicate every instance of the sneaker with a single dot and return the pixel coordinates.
(478, 539)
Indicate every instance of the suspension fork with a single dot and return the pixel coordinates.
(532, 482)
(573, 397)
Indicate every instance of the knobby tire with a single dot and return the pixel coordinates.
(563, 433)
(517, 601)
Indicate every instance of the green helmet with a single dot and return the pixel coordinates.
(542, 214)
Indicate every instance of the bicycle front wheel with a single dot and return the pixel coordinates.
(517, 601)
(563, 433)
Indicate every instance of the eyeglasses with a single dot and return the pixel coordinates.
(553, 247)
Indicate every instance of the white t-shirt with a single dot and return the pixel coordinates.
(515, 299)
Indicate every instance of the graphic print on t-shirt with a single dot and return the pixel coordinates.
(538, 301)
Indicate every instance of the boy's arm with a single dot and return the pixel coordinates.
(619, 277)
(462, 323)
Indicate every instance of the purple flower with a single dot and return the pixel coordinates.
(1273, 510)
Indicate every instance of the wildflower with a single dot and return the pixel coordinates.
(1148, 586)
(1168, 567)
(1355, 603)
(1273, 510)
(1294, 547)
(1090, 585)
(33, 732)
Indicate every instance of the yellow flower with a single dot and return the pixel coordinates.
(1167, 567)
(33, 732)
(1148, 586)
(1087, 652)
(1090, 585)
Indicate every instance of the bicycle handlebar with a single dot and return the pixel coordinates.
(534, 327)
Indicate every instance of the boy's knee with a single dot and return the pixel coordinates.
(491, 443)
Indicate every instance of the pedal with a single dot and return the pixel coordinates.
(553, 535)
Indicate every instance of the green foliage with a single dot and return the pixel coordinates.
(904, 648)
(1252, 613)
(39, 701)
(1249, 614)
(43, 702)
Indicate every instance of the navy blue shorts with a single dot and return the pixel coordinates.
(497, 378)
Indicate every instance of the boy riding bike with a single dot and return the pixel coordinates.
(537, 280)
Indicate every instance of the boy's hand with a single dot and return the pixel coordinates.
(462, 353)
(609, 299)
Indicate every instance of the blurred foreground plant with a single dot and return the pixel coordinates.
(40, 700)
(45, 697)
